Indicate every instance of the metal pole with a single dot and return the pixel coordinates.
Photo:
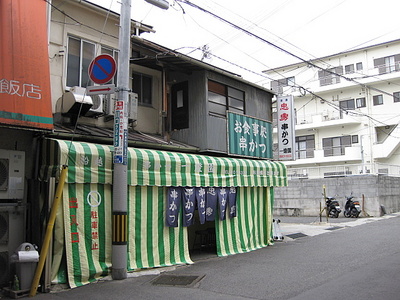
(120, 176)
(49, 231)
(320, 212)
(326, 205)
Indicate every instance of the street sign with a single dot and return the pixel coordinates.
(100, 89)
(102, 69)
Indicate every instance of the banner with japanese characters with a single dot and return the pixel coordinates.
(286, 128)
(159, 168)
(252, 228)
(25, 95)
(87, 221)
(249, 136)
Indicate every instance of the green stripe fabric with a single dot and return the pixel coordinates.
(153, 244)
(87, 204)
(87, 222)
(88, 233)
(158, 168)
(161, 168)
(251, 229)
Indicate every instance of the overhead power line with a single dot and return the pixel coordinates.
(248, 70)
(278, 47)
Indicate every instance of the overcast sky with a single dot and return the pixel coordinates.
(306, 28)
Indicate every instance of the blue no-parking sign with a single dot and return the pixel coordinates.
(102, 69)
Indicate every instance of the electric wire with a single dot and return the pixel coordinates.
(270, 43)
(297, 57)
(277, 47)
(102, 32)
(79, 22)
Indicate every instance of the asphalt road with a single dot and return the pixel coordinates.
(347, 259)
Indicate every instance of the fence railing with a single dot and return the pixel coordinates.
(343, 171)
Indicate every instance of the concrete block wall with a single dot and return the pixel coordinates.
(377, 194)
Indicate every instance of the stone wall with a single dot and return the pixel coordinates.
(302, 197)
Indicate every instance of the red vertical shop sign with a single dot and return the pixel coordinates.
(286, 128)
(25, 95)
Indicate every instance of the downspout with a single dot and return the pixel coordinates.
(48, 21)
(165, 108)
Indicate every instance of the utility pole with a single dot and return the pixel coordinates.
(120, 176)
(119, 257)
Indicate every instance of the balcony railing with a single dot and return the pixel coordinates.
(343, 171)
(325, 118)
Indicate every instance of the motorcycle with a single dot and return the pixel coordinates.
(352, 208)
(333, 207)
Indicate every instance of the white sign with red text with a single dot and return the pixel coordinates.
(286, 128)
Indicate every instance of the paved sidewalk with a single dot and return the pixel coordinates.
(248, 275)
(311, 226)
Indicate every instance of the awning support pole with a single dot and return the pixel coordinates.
(49, 231)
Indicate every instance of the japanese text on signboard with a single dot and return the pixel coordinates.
(14, 87)
(286, 133)
(249, 136)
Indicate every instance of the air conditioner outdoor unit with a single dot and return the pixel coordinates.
(133, 106)
(12, 233)
(12, 174)
(4, 267)
(98, 106)
(74, 102)
(109, 104)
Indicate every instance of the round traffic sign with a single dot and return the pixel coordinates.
(102, 69)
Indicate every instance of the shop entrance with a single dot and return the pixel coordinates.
(202, 240)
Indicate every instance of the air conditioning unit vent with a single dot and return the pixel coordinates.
(109, 106)
(4, 227)
(74, 102)
(4, 267)
(133, 106)
(98, 108)
(3, 174)
(12, 174)
(12, 234)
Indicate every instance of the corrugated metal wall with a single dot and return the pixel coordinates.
(209, 133)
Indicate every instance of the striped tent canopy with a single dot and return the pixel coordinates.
(87, 210)
(92, 163)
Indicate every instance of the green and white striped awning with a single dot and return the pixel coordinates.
(92, 163)
(84, 229)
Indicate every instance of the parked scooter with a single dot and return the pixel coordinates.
(333, 207)
(352, 208)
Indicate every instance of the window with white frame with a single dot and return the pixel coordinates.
(330, 76)
(378, 99)
(335, 146)
(349, 69)
(396, 97)
(305, 146)
(346, 105)
(360, 102)
(113, 53)
(80, 53)
(388, 64)
(222, 98)
(278, 85)
(142, 85)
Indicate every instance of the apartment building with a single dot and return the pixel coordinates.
(347, 114)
